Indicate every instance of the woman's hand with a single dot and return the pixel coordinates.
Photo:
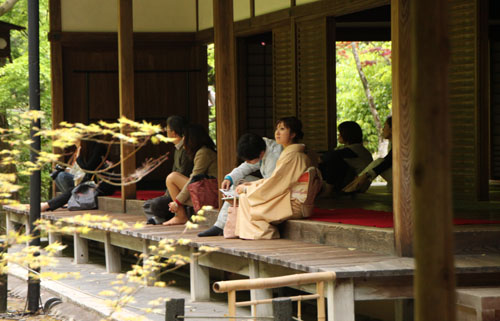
(225, 184)
(356, 184)
(173, 207)
(240, 189)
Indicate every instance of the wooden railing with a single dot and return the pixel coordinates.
(276, 282)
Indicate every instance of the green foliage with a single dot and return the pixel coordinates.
(14, 86)
(352, 103)
(211, 83)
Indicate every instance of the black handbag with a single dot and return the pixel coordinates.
(83, 197)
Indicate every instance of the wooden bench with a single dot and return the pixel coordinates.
(478, 304)
(361, 275)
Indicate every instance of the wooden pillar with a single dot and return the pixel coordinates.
(81, 249)
(126, 87)
(431, 167)
(56, 68)
(199, 279)
(112, 255)
(260, 310)
(340, 298)
(53, 238)
(225, 79)
(401, 76)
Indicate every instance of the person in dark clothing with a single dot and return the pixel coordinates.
(341, 165)
(156, 209)
(89, 157)
(381, 166)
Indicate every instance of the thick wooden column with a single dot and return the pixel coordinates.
(56, 68)
(401, 75)
(225, 83)
(126, 85)
(431, 162)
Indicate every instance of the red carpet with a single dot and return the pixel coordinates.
(141, 195)
(359, 216)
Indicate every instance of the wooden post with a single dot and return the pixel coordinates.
(225, 78)
(152, 276)
(259, 310)
(53, 238)
(341, 300)
(56, 68)
(401, 76)
(112, 255)
(199, 279)
(431, 166)
(81, 249)
(126, 87)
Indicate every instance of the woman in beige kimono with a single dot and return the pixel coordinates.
(269, 201)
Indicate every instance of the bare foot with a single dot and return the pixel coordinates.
(176, 220)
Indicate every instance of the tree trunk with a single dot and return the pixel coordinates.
(6, 6)
(382, 147)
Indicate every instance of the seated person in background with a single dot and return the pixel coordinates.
(341, 165)
(90, 157)
(270, 201)
(64, 177)
(156, 209)
(201, 149)
(380, 166)
(258, 153)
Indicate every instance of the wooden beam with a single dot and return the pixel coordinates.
(401, 85)
(431, 166)
(126, 85)
(225, 78)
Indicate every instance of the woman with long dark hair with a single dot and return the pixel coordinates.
(201, 149)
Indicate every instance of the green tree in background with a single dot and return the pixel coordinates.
(14, 86)
(352, 101)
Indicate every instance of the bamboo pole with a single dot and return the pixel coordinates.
(320, 289)
(267, 301)
(231, 302)
(276, 282)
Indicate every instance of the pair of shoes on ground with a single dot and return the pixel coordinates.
(213, 231)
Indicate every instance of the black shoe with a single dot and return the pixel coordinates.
(151, 221)
(213, 231)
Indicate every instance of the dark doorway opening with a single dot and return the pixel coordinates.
(255, 58)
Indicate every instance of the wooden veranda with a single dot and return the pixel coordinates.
(149, 61)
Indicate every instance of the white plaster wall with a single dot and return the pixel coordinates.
(267, 6)
(89, 15)
(164, 15)
(241, 10)
(149, 15)
(206, 14)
